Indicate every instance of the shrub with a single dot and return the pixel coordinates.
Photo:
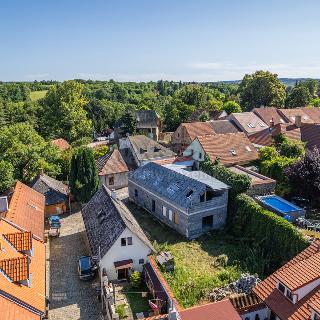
(278, 240)
(121, 311)
(135, 279)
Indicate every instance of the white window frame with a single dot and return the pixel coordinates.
(164, 211)
(170, 214)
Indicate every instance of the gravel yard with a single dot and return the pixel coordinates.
(70, 298)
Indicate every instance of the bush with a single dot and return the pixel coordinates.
(278, 240)
(121, 311)
(135, 279)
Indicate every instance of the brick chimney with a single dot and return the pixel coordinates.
(297, 121)
(271, 123)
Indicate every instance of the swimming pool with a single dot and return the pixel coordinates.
(281, 206)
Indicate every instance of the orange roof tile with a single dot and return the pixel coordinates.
(12, 311)
(313, 113)
(15, 268)
(61, 144)
(314, 302)
(230, 148)
(33, 295)
(276, 301)
(20, 240)
(249, 122)
(222, 310)
(111, 163)
(26, 209)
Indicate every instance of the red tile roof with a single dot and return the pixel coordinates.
(230, 148)
(313, 113)
(15, 268)
(33, 295)
(22, 241)
(26, 209)
(222, 310)
(196, 129)
(269, 113)
(61, 144)
(314, 302)
(12, 311)
(291, 273)
(173, 160)
(111, 163)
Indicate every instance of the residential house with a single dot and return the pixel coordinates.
(293, 291)
(23, 257)
(187, 132)
(112, 170)
(56, 194)
(61, 143)
(298, 116)
(309, 133)
(269, 115)
(139, 150)
(248, 122)
(260, 185)
(148, 123)
(191, 202)
(230, 149)
(114, 235)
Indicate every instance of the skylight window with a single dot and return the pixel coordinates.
(233, 152)
(262, 124)
(248, 148)
(190, 192)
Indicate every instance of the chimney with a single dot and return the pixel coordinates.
(271, 123)
(297, 121)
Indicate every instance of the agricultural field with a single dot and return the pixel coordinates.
(37, 95)
(197, 269)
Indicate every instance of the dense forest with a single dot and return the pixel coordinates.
(33, 113)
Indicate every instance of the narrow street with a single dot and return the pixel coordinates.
(70, 298)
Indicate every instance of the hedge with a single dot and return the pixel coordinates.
(278, 240)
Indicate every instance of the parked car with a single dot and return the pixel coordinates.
(85, 268)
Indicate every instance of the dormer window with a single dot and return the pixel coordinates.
(289, 295)
(281, 288)
(316, 316)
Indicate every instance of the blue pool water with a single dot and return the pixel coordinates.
(279, 204)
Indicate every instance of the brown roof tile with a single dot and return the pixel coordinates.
(268, 114)
(196, 129)
(313, 113)
(22, 241)
(230, 148)
(222, 310)
(276, 301)
(12, 311)
(111, 163)
(61, 144)
(290, 114)
(248, 122)
(26, 209)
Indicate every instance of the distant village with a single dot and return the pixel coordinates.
(170, 207)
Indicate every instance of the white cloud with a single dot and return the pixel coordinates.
(37, 76)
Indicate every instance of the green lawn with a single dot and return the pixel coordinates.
(36, 95)
(135, 299)
(195, 271)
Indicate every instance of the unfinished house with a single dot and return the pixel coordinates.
(191, 202)
(139, 150)
(148, 123)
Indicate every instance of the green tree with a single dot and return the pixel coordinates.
(100, 151)
(262, 88)
(28, 152)
(231, 107)
(6, 175)
(299, 96)
(64, 114)
(315, 102)
(204, 116)
(129, 123)
(313, 87)
(84, 179)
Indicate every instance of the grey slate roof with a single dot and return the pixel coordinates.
(146, 118)
(54, 190)
(105, 219)
(173, 183)
(148, 149)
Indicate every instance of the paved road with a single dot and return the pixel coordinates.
(70, 298)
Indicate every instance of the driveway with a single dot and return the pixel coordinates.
(70, 298)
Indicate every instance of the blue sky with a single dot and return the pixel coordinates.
(141, 40)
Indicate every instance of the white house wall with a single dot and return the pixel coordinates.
(302, 292)
(120, 180)
(195, 150)
(138, 250)
(263, 314)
